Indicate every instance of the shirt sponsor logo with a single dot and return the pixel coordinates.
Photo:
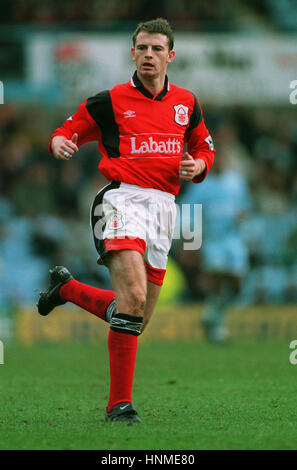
(181, 115)
(170, 146)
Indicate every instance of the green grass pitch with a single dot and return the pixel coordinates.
(189, 395)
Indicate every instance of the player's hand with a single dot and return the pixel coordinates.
(189, 167)
(63, 148)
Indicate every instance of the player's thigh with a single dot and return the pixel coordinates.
(128, 275)
(153, 292)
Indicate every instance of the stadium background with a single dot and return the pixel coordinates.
(239, 58)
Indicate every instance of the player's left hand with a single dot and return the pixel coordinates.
(189, 167)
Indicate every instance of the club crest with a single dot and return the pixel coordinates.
(116, 222)
(181, 115)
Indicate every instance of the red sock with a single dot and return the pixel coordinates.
(122, 356)
(90, 298)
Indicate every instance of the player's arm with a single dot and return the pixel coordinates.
(200, 156)
(75, 131)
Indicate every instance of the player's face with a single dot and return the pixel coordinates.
(151, 54)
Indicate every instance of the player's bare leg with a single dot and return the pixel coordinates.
(142, 301)
(128, 274)
(153, 292)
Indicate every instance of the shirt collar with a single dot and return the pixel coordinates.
(138, 84)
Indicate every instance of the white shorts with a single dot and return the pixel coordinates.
(129, 217)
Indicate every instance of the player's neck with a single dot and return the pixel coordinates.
(154, 85)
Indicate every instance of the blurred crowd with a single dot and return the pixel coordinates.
(191, 14)
(53, 11)
(249, 200)
(249, 207)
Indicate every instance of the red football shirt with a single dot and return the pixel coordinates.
(140, 136)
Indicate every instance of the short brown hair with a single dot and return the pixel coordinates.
(157, 26)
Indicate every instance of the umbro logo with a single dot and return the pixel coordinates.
(129, 114)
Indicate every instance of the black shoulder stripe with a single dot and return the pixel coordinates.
(101, 110)
(196, 116)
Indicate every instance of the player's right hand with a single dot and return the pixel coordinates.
(63, 148)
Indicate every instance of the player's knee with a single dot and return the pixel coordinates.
(136, 302)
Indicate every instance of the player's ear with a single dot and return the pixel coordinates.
(171, 55)
(133, 53)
